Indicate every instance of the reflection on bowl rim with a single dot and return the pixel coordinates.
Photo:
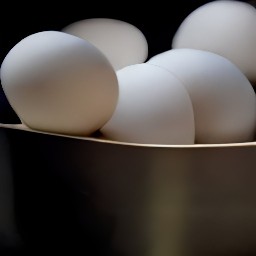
(108, 141)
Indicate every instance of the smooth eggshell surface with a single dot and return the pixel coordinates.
(153, 108)
(59, 83)
(121, 42)
(223, 27)
(223, 99)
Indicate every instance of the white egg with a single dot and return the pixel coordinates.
(223, 27)
(121, 42)
(59, 83)
(223, 99)
(153, 108)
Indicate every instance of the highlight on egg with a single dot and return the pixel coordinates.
(153, 108)
(223, 99)
(223, 27)
(59, 83)
(121, 42)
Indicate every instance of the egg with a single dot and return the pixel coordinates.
(223, 99)
(223, 27)
(121, 42)
(59, 83)
(153, 108)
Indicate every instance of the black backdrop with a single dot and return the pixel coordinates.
(157, 21)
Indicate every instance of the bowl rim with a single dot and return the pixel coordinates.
(22, 127)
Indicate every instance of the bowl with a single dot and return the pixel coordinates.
(92, 196)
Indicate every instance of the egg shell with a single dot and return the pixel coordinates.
(223, 99)
(59, 83)
(223, 27)
(121, 42)
(153, 108)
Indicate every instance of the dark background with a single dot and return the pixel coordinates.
(158, 21)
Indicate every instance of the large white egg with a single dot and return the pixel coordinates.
(223, 27)
(153, 108)
(121, 42)
(59, 83)
(223, 99)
